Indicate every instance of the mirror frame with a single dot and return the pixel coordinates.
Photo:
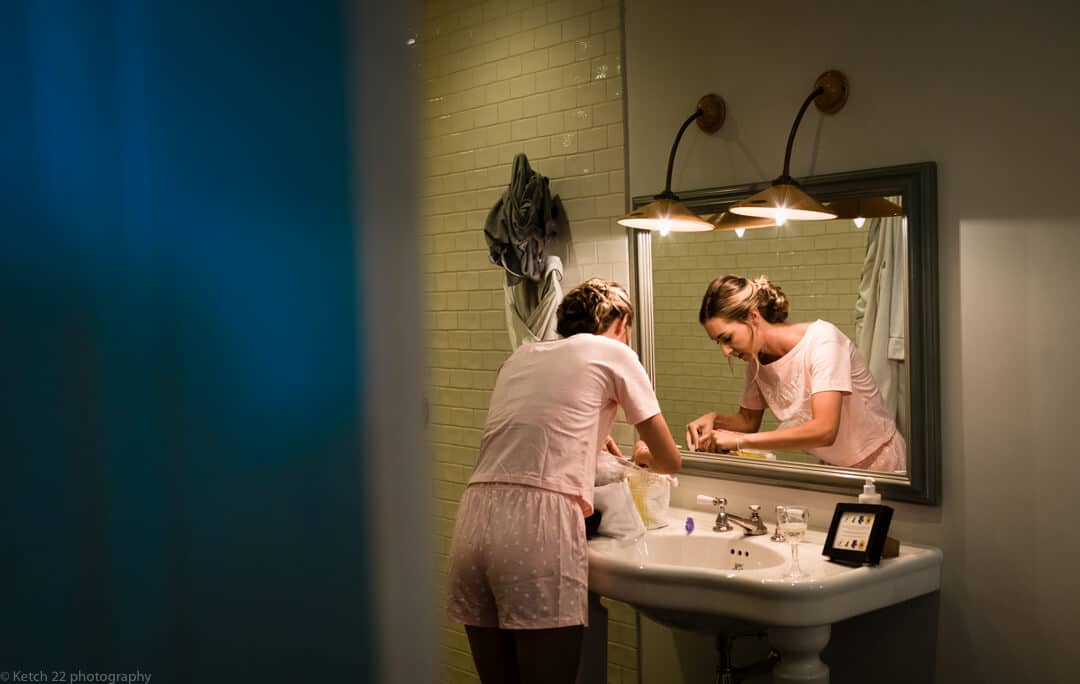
(917, 185)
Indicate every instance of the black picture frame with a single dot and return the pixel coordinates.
(857, 533)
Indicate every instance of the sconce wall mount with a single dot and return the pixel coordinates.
(785, 199)
(834, 92)
(666, 213)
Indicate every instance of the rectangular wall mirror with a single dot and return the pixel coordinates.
(829, 270)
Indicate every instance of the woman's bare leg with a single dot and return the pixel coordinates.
(549, 656)
(494, 654)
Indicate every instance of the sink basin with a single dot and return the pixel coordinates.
(708, 551)
(700, 581)
(724, 583)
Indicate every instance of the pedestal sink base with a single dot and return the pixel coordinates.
(800, 654)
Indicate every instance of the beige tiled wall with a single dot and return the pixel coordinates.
(818, 265)
(503, 77)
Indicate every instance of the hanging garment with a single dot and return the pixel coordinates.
(521, 222)
(531, 307)
(881, 311)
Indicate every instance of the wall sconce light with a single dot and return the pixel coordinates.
(858, 209)
(666, 213)
(728, 221)
(785, 199)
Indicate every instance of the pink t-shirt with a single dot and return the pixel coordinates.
(823, 360)
(552, 408)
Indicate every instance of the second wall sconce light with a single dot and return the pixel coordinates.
(728, 221)
(666, 213)
(785, 199)
(858, 209)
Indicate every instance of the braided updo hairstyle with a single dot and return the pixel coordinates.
(732, 297)
(592, 307)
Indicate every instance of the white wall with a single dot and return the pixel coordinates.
(990, 93)
(386, 183)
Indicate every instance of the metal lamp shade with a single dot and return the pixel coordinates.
(864, 207)
(729, 221)
(783, 202)
(665, 215)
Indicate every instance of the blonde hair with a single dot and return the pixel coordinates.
(593, 307)
(733, 297)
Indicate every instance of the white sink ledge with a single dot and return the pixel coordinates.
(697, 588)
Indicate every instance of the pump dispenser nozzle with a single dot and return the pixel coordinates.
(869, 493)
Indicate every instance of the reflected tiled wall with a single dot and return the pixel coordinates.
(502, 77)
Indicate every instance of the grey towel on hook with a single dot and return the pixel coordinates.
(531, 307)
(521, 222)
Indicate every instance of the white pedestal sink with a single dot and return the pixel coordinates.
(726, 583)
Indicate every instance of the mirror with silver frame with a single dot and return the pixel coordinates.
(829, 270)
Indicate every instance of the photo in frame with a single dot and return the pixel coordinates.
(858, 534)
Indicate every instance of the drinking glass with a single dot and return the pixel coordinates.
(778, 536)
(793, 522)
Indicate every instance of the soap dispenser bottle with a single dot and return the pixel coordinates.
(869, 494)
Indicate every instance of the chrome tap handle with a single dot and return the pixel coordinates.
(722, 524)
(755, 513)
(756, 521)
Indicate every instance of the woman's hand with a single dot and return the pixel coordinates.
(642, 456)
(699, 430)
(721, 440)
(612, 448)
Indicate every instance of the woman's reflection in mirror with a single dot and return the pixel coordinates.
(809, 374)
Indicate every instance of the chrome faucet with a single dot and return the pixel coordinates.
(751, 528)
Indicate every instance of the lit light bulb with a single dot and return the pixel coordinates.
(739, 232)
(781, 216)
(665, 227)
(858, 221)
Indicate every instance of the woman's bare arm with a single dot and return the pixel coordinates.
(819, 431)
(663, 455)
(699, 432)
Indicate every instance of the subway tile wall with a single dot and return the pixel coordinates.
(502, 77)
